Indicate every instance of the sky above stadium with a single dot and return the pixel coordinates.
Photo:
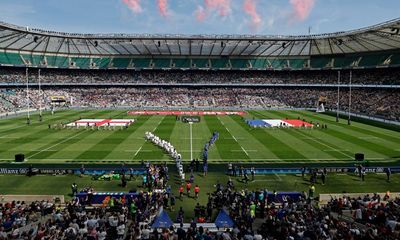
(265, 17)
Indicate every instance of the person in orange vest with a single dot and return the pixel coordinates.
(188, 187)
(180, 192)
(196, 191)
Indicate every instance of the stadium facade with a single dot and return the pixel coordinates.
(375, 46)
(142, 71)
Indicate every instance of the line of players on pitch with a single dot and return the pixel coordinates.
(169, 148)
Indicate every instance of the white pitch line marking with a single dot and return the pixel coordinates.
(279, 178)
(137, 150)
(312, 138)
(326, 145)
(136, 153)
(65, 140)
(157, 126)
(44, 150)
(337, 150)
(244, 150)
(369, 137)
(234, 138)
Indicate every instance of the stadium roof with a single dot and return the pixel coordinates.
(380, 37)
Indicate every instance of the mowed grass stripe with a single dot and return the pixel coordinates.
(225, 146)
(368, 130)
(213, 152)
(66, 141)
(317, 144)
(109, 142)
(275, 145)
(350, 146)
(34, 134)
(164, 131)
(180, 138)
(201, 130)
(378, 148)
(253, 146)
(133, 143)
(33, 128)
(9, 123)
(295, 141)
(329, 137)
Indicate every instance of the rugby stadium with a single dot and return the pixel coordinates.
(239, 134)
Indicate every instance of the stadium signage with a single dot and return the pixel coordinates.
(62, 171)
(13, 170)
(194, 119)
(37, 171)
(258, 171)
(200, 113)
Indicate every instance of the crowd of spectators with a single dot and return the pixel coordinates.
(257, 214)
(383, 103)
(370, 217)
(76, 221)
(16, 214)
(388, 76)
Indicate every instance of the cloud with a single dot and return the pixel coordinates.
(200, 14)
(250, 8)
(222, 6)
(133, 5)
(302, 8)
(163, 7)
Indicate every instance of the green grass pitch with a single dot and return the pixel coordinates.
(237, 143)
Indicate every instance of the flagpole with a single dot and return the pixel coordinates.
(349, 120)
(338, 98)
(28, 120)
(40, 99)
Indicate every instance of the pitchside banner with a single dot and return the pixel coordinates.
(60, 171)
(189, 113)
(139, 171)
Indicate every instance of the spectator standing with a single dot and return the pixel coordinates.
(205, 169)
(363, 172)
(230, 168)
(74, 188)
(82, 170)
(323, 178)
(172, 201)
(311, 191)
(388, 173)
